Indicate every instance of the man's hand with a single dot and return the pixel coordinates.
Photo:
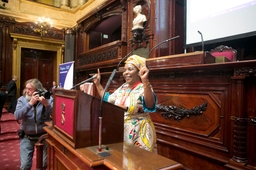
(34, 99)
(43, 101)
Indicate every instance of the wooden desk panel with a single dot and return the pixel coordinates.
(122, 156)
(222, 135)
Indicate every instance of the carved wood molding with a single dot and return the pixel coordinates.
(28, 30)
(246, 71)
(250, 120)
(7, 21)
(198, 73)
(98, 57)
(140, 39)
(178, 113)
(14, 44)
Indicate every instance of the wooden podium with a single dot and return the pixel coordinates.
(76, 119)
(73, 137)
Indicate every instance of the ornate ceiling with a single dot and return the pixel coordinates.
(63, 13)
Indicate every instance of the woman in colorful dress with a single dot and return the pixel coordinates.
(138, 96)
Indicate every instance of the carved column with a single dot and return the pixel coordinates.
(81, 2)
(69, 45)
(64, 3)
(240, 116)
(240, 122)
(73, 3)
(57, 3)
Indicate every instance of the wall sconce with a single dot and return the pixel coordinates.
(42, 26)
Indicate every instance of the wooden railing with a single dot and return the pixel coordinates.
(104, 56)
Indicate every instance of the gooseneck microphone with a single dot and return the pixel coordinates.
(101, 101)
(89, 79)
(170, 39)
(202, 40)
(105, 89)
(122, 60)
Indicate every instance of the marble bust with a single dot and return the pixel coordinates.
(140, 19)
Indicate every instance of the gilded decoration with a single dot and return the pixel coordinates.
(28, 29)
(63, 106)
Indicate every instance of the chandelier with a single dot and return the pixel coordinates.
(42, 25)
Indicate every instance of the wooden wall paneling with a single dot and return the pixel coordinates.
(222, 132)
(179, 27)
(164, 29)
(251, 126)
(105, 57)
(125, 26)
(243, 120)
(1, 42)
(6, 25)
(79, 40)
(173, 13)
(46, 70)
(38, 64)
(239, 124)
(200, 134)
(29, 67)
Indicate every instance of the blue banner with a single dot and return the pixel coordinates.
(66, 75)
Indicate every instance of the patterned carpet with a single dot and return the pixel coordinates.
(10, 143)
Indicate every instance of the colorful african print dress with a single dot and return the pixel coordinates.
(138, 127)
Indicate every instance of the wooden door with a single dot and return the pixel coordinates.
(38, 64)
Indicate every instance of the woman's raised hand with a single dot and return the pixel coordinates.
(97, 79)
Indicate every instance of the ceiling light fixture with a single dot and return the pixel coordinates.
(42, 26)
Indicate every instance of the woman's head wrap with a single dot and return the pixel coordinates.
(136, 60)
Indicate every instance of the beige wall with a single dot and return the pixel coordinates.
(63, 17)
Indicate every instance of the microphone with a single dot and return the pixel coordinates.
(106, 87)
(101, 101)
(170, 39)
(122, 60)
(89, 79)
(201, 39)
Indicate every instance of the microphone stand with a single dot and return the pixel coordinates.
(162, 43)
(122, 60)
(89, 79)
(101, 101)
(202, 40)
(109, 81)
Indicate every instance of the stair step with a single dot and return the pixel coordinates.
(8, 127)
(8, 136)
(7, 117)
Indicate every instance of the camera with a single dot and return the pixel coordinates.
(46, 94)
(21, 133)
